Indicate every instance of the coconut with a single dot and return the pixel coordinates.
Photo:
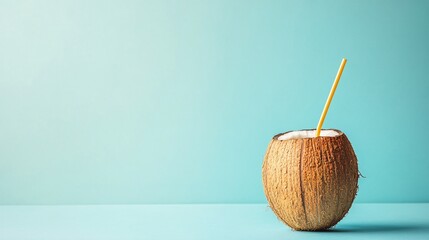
(310, 182)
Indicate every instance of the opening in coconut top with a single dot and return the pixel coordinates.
(308, 134)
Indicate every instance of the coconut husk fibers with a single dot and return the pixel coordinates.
(310, 183)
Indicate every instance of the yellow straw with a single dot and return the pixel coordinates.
(331, 95)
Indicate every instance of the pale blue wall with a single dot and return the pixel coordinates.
(175, 101)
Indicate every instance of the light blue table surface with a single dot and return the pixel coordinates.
(204, 221)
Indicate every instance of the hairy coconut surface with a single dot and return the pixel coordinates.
(310, 182)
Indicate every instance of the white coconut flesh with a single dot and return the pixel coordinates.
(307, 134)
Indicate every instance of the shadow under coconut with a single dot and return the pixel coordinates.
(379, 228)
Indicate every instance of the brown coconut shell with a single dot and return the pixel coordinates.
(310, 183)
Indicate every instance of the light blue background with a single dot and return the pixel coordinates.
(176, 101)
